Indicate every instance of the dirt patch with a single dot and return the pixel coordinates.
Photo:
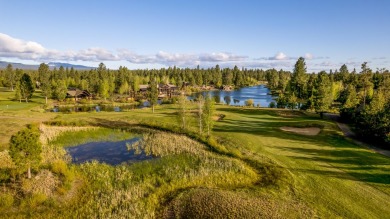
(302, 131)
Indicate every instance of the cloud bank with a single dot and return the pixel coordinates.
(27, 50)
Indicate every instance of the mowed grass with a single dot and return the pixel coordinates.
(327, 176)
(334, 176)
(15, 115)
(329, 173)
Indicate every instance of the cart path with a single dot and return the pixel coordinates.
(351, 135)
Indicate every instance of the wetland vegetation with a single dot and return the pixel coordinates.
(206, 161)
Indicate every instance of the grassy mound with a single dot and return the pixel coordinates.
(217, 203)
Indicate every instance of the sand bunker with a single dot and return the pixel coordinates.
(302, 131)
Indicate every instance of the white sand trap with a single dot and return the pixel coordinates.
(302, 131)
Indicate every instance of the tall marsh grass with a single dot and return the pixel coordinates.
(140, 190)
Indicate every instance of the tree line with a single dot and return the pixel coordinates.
(106, 83)
(362, 98)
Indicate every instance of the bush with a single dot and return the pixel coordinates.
(167, 101)
(67, 175)
(34, 200)
(271, 175)
(6, 200)
(59, 167)
(272, 105)
(249, 102)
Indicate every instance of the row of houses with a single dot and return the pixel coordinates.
(164, 90)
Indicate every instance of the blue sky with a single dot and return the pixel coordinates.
(153, 34)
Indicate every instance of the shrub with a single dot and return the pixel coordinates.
(34, 200)
(59, 167)
(271, 175)
(83, 101)
(249, 102)
(167, 101)
(272, 105)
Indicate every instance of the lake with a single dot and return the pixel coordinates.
(260, 94)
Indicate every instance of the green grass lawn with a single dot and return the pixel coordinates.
(330, 173)
(326, 176)
(14, 115)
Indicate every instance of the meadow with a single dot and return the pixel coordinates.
(249, 169)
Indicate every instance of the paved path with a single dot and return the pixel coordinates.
(350, 134)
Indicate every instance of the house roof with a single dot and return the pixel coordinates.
(143, 86)
(75, 92)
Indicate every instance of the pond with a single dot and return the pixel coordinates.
(100, 107)
(94, 108)
(260, 94)
(113, 153)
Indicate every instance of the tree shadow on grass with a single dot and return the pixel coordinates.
(358, 165)
(350, 160)
(380, 178)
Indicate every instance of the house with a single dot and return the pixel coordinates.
(227, 88)
(167, 90)
(143, 87)
(164, 90)
(77, 93)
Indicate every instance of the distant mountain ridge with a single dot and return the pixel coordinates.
(52, 65)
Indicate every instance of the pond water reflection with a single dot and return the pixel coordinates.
(113, 153)
(260, 95)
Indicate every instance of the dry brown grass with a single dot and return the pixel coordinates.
(51, 153)
(160, 143)
(12, 122)
(49, 133)
(45, 182)
(6, 160)
(217, 203)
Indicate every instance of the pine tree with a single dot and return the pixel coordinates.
(365, 83)
(25, 149)
(61, 90)
(44, 79)
(18, 92)
(323, 93)
(10, 76)
(26, 87)
(299, 78)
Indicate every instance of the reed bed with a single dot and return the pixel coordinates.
(141, 189)
(49, 133)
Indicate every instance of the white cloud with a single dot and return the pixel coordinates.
(15, 46)
(308, 56)
(26, 50)
(11, 48)
(221, 57)
(279, 56)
